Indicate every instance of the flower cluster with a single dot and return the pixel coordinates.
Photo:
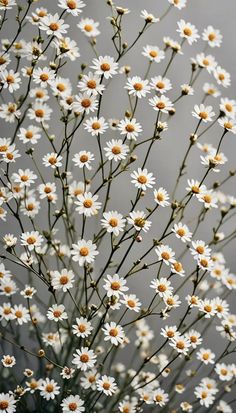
(103, 307)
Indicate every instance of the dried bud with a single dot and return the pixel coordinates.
(133, 158)
(216, 185)
(175, 205)
(41, 353)
(193, 138)
(128, 114)
(49, 367)
(172, 111)
(53, 65)
(83, 66)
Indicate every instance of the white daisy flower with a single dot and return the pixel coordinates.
(10, 80)
(7, 401)
(169, 332)
(72, 403)
(207, 307)
(186, 89)
(194, 337)
(53, 160)
(84, 359)
(142, 179)
(62, 280)
(105, 66)
(195, 188)
(47, 190)
(31, 134)
(89, 27)
(6, 312)
(106, 385)
(40, 112)
(96, 126)
(84, 252)
(165, 254)
(84, 103)
(224, 371)
(31, 239)
(131, 302)
(209, 199)
(116, 150)
(228, 106)
(187, 31)
(204, 395)
(49, 389)
(161, 197)
(138, 220)
(43, 76)
(113, 333)
(72, 6)
(162, 287)
(61, 87)
(211, 90)
(9, 112)
(21, 314)
(28, 292)
(89, 379)
(199, 248)
(53, 25)
(222, 77)
(113, 222)
(206, 61)
(153, 53)
(212, 36)
(66, 47)
(228, 124)
(83, 159)
(206, 356)
(161, 103)
(57, 313)
(130, 127)
(82, 328)
(204, 113)
(137, 87)
(177, 268)
(160, 84)
(160, 397)
(179, 4)
(115, 285)
(182, 232)
(181, 344)
(87, 204)
(91, 84)
(8, 362)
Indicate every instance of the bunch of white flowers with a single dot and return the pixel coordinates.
(111, 301)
